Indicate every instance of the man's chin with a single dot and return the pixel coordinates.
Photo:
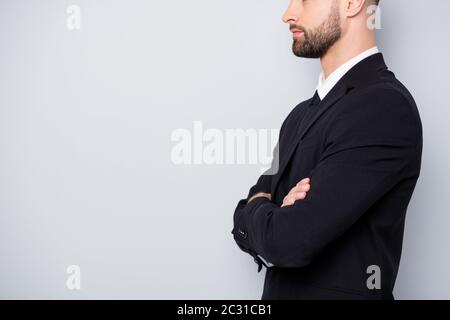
(299, 51)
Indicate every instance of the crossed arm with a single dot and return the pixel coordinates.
(296, 193)
(366, 156)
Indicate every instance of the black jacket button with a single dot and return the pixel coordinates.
(242, 234)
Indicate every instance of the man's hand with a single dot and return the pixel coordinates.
(259, 195)
(297, 193)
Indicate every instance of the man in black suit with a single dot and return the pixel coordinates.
(329, 224)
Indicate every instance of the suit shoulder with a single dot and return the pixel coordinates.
(381, 92)
(391, 97)
(386, 108)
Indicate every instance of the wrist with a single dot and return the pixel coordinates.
(260, 195)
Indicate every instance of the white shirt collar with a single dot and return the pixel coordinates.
(325, 85)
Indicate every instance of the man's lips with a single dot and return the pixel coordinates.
(297, 32)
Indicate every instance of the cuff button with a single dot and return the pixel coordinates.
(242, 234)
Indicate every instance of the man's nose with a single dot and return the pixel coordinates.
(291, 14)
(289, 18)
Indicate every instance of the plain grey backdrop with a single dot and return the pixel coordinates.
(86, 118)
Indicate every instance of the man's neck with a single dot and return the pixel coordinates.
(341, 52)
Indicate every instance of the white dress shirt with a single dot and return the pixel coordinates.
(325, 85)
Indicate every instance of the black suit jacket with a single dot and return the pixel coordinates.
(362, 149)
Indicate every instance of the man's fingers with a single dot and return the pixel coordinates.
(290, 199)
(305, 187)
(297, 193)
(299, 196)
(300, 188)
(304, 181)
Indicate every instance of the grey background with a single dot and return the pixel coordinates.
(86, 119)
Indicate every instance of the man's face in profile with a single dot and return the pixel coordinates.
(315, 25)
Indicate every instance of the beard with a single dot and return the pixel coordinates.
(316, 42)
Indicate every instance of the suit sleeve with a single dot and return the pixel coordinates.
(264, 184)
(369, 148)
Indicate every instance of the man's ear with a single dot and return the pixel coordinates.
(354, 7)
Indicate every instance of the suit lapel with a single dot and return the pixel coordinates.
(363, 73)
(326, 104)
(331, 99)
